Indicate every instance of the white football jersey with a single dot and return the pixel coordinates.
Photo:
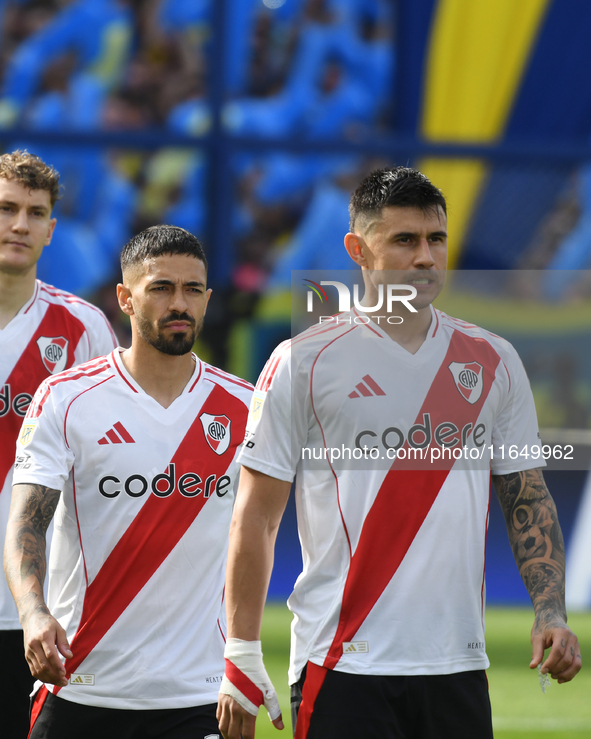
(393, 543)
(54, 331)
(137, 563)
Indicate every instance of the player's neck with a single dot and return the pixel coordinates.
(412, 332)
(15, 291)
(162, 376)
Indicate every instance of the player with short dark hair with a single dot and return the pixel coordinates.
(135, 453)
(43, 331)
(388, 630)
(157, 241)
(394, 187)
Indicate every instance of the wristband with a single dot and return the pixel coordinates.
(246, 679)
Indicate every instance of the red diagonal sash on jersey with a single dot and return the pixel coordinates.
(29, 372)
(155, 531)
(406, 495)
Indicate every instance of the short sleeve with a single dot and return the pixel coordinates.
(277, 424)
(101, 338)
(98, 338)
(516, 424)
(42, 454)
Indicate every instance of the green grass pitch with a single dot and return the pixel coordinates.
(520, 709)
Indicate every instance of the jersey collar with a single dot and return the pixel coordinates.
(376, 328)
(128, 379)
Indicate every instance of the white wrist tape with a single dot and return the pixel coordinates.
(246, 679)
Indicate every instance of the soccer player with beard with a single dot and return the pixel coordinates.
(135, 454)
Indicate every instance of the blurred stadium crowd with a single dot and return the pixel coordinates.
(323, 68)
(313, 69)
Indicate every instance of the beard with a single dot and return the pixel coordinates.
(175, 345)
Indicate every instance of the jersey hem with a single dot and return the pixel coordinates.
(444, 668)
(512, 470)
(47, 482)
(141, 704)
(279, 473)
(10, 625)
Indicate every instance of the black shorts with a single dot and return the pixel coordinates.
(62, 719)
(16, 684)
(338, 705)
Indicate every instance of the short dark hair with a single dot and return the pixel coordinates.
(157, 241)
(394, 186)
(31, 172)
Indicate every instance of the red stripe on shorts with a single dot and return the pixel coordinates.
(315, 676)
(38, 702)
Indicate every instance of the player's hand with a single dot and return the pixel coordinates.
(564, 660)
(235, 722)
(45, 640)
(244, 688)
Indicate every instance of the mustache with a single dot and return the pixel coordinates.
(176, 317)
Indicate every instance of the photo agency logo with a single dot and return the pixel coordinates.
(387, 296)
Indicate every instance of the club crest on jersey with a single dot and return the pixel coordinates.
(468, 379)
(54, 353)
(217, 431)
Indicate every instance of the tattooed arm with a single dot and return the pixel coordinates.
(31, 510)
(538, 547)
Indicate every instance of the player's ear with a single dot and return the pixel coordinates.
(124, 298)
(50, 230)
(354, 245)
(207, 297)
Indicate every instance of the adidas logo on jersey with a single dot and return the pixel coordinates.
(367, 388)
(355, 647)
(77, 679)
(188, 485)
(117, 435)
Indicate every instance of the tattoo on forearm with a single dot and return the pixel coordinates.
(38, 506)
(536, 540)
(31, 603)
(32, 509)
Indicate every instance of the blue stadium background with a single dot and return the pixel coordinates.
(249, 122)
